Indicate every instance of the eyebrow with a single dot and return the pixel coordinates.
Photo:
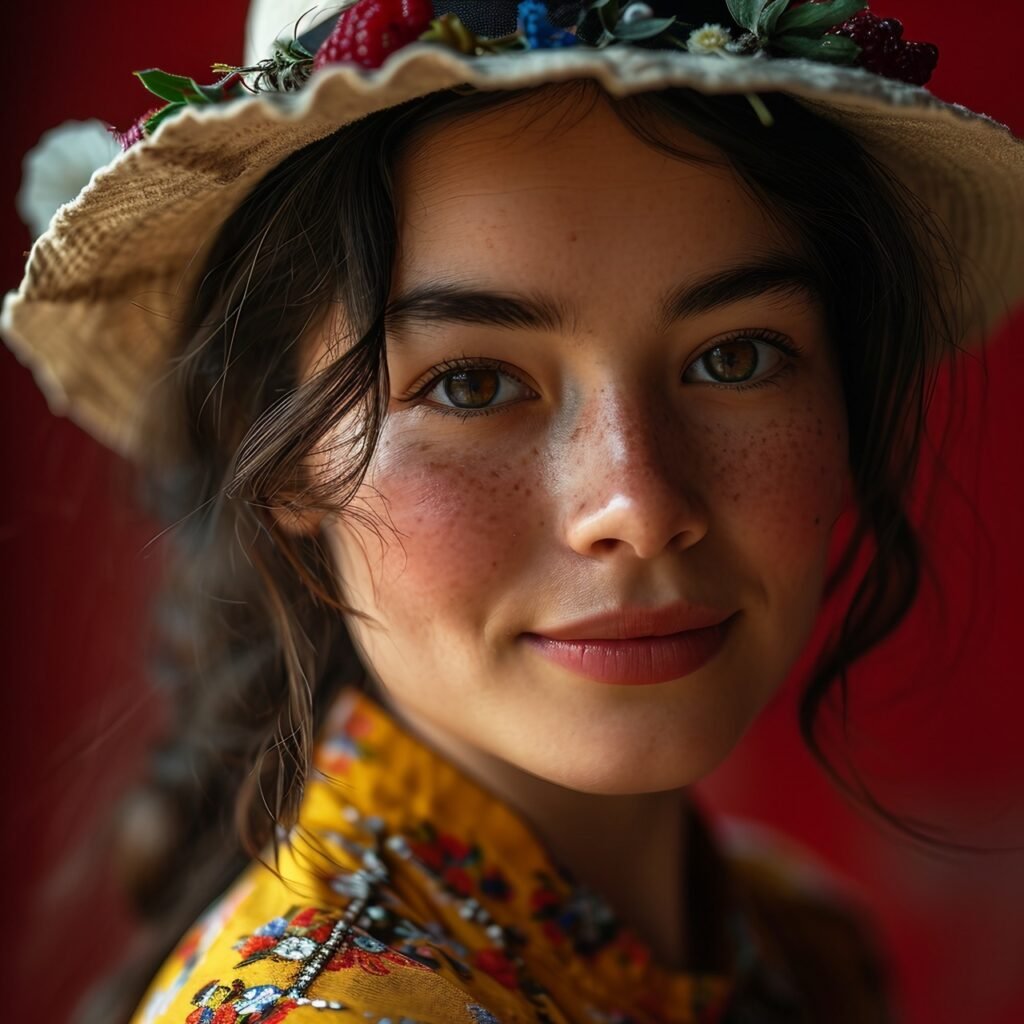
(449, 302)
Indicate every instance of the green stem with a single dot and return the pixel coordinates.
(764, 115)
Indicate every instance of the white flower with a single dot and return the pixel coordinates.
(59, 167)
(708, 39)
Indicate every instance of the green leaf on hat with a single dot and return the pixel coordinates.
(172, 88)
(644, 28)
(746, 12)
(818, 17)
(835, 49)
(769, 16)
(162, 115)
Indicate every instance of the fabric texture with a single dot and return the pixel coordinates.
(407, 893)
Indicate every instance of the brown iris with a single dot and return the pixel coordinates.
(732, 362)
(472, 388)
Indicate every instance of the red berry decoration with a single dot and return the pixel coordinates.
(369, 30)
(884, 51)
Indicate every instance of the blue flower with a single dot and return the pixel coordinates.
(275, 928)
(538, 29)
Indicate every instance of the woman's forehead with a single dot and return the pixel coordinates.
(570, 201)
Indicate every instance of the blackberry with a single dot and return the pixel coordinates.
(916, 63)
(884, 51)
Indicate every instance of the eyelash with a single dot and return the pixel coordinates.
(438, 372)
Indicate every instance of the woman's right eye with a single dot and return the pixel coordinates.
(475, 388)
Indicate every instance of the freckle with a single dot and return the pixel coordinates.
(495, 473)
(516, 487)
(572, 236)
(535, 452)
(736, 497)
(817, 520)
(541, 523)
(528, 492)
(494, 565)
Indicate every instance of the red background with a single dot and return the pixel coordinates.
(937, 711)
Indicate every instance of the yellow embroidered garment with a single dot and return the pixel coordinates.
(409, 895)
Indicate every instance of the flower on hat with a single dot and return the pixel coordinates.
(708, 39)
(538, 30)
(59, 166)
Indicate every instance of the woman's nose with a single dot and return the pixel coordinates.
(630, 485)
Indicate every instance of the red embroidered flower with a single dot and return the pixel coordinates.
(429, 855)
(453, 848)
(496, 963)
(371, 956)
(544, 900)
(226, 1014)
(458, 880)
(255, 944)
(304, 918)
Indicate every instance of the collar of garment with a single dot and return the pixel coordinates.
(385, 813)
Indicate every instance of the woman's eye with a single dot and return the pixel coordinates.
(738, 361)
(480, 387)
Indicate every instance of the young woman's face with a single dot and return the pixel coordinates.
(644, 411)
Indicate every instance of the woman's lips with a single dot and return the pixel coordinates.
(638, 661)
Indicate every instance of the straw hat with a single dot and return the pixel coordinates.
(91, 316)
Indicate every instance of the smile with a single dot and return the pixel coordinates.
(638, 661)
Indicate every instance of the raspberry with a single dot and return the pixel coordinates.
(369, 30)
(884, 51)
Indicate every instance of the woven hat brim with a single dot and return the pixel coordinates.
(93, 317)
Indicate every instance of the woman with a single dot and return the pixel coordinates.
(529, 409)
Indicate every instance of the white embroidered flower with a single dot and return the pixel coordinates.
(59, 167)
(708, 39)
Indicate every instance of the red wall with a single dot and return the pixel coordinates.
(936, 712)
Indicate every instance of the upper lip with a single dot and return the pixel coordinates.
(629, 622)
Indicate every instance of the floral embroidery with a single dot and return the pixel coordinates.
(580, 917)
(498, 965)
(458, 865)
(296, 939)
(235, 1004)
(370, 955)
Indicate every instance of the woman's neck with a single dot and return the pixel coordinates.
(628, 849)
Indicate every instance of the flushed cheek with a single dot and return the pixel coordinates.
(461, 527)
(781, 487)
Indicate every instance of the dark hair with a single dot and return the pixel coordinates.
(254, 640)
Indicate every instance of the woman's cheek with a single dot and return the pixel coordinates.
(783, 486)
(459, 519)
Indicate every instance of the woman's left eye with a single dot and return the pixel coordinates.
(475, 388)
(742, 361)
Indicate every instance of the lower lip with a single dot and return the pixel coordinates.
(638, 662)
